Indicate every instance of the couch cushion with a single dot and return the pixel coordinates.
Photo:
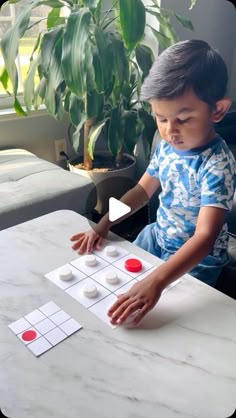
(31, 187)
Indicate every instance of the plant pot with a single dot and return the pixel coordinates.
(110, 182)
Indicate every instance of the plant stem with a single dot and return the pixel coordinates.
(87, 160)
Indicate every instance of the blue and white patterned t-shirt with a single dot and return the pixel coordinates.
(191, 179)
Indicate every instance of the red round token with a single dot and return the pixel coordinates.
(134, 265)
(29, 335)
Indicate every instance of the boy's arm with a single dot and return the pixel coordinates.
(136, 198)
(146, 293)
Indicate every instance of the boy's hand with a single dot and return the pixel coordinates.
(86, 241)
(142, 296)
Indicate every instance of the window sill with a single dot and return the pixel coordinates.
(9, 113)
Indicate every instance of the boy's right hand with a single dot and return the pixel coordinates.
(86, 241)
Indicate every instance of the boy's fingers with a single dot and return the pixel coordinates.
(99, 242)
(143, 311)
(121, 310)
(82, 245)
(129, 311)
(90, 243)
(115, 306)
(77, 244)
(76, 236)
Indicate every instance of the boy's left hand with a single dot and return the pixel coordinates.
(142, 296)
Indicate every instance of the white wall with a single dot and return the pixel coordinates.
(35, 133)
(215, 22)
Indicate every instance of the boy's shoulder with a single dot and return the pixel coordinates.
(216, 149)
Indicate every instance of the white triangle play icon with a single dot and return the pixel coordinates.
(117, 209)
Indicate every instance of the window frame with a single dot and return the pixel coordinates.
(7, 101)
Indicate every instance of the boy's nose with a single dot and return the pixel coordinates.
(171, 128)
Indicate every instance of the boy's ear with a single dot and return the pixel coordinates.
(220, 108)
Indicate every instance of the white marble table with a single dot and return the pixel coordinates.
(180, 361)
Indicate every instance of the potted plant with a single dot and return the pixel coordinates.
(90, 64)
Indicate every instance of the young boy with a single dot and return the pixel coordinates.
(186, 87)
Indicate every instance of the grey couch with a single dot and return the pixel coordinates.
(31, 187)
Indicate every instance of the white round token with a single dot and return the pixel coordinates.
(90, 291)
(111, 251)
(90, 260)
(111, 277)
(65, 273)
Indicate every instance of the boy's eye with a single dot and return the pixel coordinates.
(182, 121)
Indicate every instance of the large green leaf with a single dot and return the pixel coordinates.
(54, 81)
(121, 60)
(77, 134)
(162, 39)
(115, 132)
(129, 119)
(93, 136)
(132, 21)
(95, 102)
(91, 4)
(10, 43)
(184, 21)
(98, 71)
(55, 3)
(165, 26)
(40, 92)
(74, 54)
(54, 18)
(145, 58)
(4, 78)
(76, 109)
(29, 84)
(18, 108)
(105, 51)
(49, 43)
(148, 130)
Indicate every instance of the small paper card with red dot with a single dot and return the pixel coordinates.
(45, 327)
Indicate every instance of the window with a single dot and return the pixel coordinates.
(8, 15)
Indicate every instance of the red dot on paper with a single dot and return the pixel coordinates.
(29, 335)
(134, 265)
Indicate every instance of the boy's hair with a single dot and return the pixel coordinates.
(185, 65)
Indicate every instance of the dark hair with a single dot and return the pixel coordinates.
(187, 64)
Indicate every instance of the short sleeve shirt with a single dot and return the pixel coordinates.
(191, 179)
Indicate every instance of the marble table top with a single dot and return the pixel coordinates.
(179, 362)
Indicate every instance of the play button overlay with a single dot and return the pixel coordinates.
(117, 209)
(104, 201)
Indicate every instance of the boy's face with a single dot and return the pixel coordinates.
(185, 122)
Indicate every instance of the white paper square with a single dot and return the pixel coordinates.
(126, 287)
(146, 273)
(35, 316)
(70, 327)
(121, 262)
(79, 263)
(59, 317)
(39, 346)
(100, 309)
(28, 342)
(53, 276)
(49, 308)
(76, 292)
(19, 326)
(121, 252)
(55, 336)
(100, 277)
(171, 285)
(45, 326)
